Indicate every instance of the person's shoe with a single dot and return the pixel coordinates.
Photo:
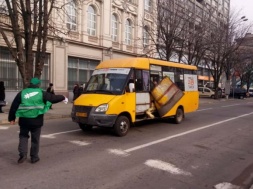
(34, 160)
(22, 159)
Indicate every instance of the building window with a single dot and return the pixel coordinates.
(147, 5)
(128, 32)
(92, 21)
(114, 28)
(71, 15)
(10, 75)
(145, 36)
(80, 70)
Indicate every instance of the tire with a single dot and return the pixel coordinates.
(241, 97)
(121, 126)
(85, 127)
(178, 118)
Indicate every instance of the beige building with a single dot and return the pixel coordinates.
(96, 30)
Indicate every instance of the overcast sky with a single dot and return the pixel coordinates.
(245, 7)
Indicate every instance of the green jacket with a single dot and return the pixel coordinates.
(32, 103)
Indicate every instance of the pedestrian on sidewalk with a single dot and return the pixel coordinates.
(75, 91)
(2, 94)
(80, 90)
(30, 105)
(50, 89)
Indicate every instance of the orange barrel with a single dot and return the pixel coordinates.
(166, 94)
(159, 90)
(165, 108)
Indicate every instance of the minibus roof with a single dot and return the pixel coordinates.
(140, 63)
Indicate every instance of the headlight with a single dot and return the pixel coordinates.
(102, 108)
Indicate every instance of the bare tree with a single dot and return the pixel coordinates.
(244, 66)
(167, 34)
(177, 35)
(222, 47)
(25, 26)
(28, 24)
(236, 31)
(195, 45)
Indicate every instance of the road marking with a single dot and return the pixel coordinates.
(204, 109)
(79, 143)
(226, 185)
(180, 134)
(53, 134)
(166, 167)
(230, 105)
(221, 106)
(118, 152)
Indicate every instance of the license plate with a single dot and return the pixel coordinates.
(81, 114)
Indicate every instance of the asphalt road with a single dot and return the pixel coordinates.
(212, 148)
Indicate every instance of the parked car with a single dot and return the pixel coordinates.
(206, 92)
(238, 93)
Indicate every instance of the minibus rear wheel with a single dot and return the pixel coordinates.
(121, 126)
(85, 127)
(178, 118)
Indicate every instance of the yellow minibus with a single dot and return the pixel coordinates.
(122, 92)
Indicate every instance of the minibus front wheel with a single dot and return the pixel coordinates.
(178, 118)
(121, 126)
(85, 127)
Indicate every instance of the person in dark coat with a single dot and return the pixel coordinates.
(30, 105)
(2, 94)
(80, 90)
(75, 92)
(50, 89)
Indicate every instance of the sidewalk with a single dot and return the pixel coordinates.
(61, 110)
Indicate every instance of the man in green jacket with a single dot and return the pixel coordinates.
(30, 105)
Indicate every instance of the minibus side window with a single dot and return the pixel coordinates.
(141, 80)
(179, 78)
(145, 74)
(169, 72)
(138, 81)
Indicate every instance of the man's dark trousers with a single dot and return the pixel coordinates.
(23, 141)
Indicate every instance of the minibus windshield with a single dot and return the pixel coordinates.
(109, 81)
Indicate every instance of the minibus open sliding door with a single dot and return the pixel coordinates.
(142, 89)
